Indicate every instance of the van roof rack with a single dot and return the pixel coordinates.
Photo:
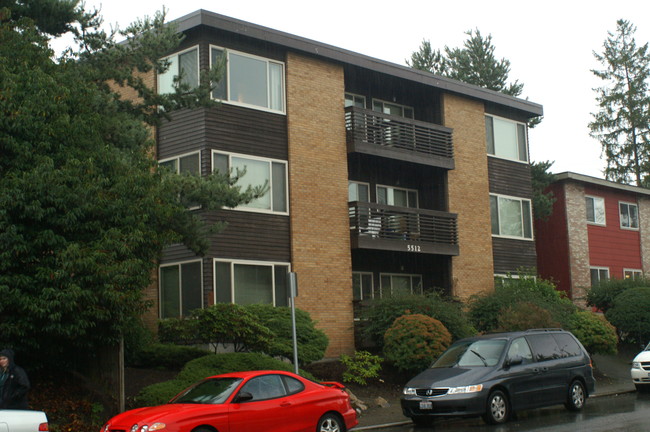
(544, 330)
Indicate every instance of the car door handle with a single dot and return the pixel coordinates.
(285, 404)
(540, 370)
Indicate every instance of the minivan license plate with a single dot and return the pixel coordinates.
(426, 405)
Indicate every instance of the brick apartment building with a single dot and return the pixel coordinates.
(383, 179)
(598, 230)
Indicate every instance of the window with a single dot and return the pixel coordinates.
(632, 274)
(358, 191)
(265, 387)
(511, 217)
(598, 274)
(250, 80)
(629, 215)
(400, 284)
(545, 347)
(355, 100)
(362, 286)
(184, 64)
(392, 109)
(181, 290)
(506, 139)
(250, 282)
(595, 210)
(397, 197)
(259, 172)
(519, 349)
(189, 163)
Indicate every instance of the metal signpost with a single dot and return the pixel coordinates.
(293, 293)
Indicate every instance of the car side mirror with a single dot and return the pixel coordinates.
(515, 360)
(242, 397)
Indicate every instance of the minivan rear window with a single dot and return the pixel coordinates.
(567, 344)
(544, 347)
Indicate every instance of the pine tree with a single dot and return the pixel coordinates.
(622, 124)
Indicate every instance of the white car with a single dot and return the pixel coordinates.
(23, 421)
(641, 369)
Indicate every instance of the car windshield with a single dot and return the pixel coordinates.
(210, 391)
(473, 353)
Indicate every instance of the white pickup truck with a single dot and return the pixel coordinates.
(22, 421)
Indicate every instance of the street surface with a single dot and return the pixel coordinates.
(628, 412)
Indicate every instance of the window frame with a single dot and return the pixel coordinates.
(178, 54)
(594, 199)
(270, 162)
(354, 96)
(403, 107)
(409, 275)
(530, 217)
(635, 273)
(357, 184)
(526, 159)
(394, 188)
(599, 269)
(179, 157)
(620, 215)
(229, 100)
(361, 274)
(233, 262)
(180, 285)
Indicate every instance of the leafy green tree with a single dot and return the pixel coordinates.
(542, 200)
(595, 333)
(84, 209)
(602, 295)
(622, 124)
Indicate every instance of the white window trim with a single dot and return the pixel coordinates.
(620, 219)
(595, 197)
(525, 162)
(177, 54)
(417, 194)
(632, 271)
(609, 275)
(265, 59)
(180, 275)
(381, 287)
(395, 104)
(361, 183)
(263, 159)
(372, 284)
(232, 263)
(530, 206)
(178, 157)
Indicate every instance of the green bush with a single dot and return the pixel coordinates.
(485, 309)
(312, 342)
(414, 341)
(603, 294)
(166, 356)
(381, 314)
(595, 333)
(523, 316)
(209, 365)
(360, 367)
(630, 314)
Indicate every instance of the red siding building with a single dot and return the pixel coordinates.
(598, 230)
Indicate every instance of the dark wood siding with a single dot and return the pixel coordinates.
(184, 133)
(510, 255)
(509, 178)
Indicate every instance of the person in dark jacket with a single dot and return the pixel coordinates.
(14, 383)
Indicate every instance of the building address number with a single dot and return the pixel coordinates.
(413, 248)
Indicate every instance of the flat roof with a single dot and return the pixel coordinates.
(566, 176)
(211, 19)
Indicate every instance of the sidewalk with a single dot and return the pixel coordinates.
(612, 373)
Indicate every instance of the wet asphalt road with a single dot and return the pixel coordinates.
(628, 412)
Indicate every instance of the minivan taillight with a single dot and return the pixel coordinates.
(43, 427)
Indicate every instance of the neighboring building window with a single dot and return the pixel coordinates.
(511, 217)
(506, 138)
(632, 274)
(397, 196)
(358, 191)
(181, 289)
(362, 286)
(259, 172)
(189, 163)
(392, 109)
(595, 210)
(184, 64)
(250, 282)
(355, 100)
(629, 215)
(400, 284)
(599, 274)
(250, 80)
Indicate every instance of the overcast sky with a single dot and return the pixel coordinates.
(548, 43)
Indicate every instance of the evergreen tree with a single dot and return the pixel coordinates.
(622, 124)
(541, 179)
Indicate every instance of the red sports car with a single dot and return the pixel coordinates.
(258, 401)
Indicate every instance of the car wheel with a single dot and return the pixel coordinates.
(422, 420)
(576, 397)
(497, 409)
(330, 423)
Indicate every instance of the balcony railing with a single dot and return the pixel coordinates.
(386, 135)
(377, 226)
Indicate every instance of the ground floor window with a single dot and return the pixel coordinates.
(396, 284)
(251, 282)
(363, 286)
(181, 288)
(632, 274)
(599, 274)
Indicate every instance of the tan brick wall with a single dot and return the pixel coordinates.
(578, 242)
(318, 186)
(469, 197)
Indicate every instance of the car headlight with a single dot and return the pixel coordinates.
(156, 427)
(410, 391)
(466, 389)
(636, 365)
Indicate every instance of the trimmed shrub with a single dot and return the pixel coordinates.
(166, 356)
(212, 364)
(312, 342)
(381, 314)
(414, 341)
(603, 294)
(360, 367)
(630, 314)
(594, 332)
(523, 316)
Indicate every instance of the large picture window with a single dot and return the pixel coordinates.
(251, 282)
(629, 215)
(511, 217)
(184, 64)
(595, 210)
(181, 289)
(259, 171)
(250, 80)
(506, 139)
(400, 284)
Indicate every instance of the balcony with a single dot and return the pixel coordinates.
(377, 226)
(374, 133)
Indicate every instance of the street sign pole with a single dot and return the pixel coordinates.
(293, 293)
